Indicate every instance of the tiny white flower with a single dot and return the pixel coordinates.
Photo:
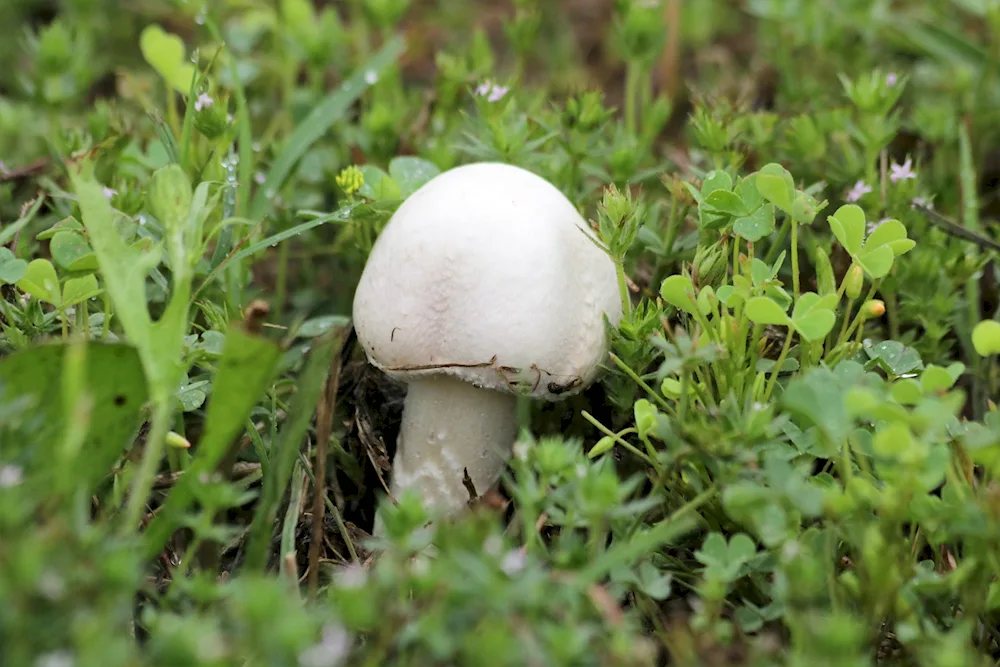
(259, 177)
(902, 172)
(491, 91)
(521, 450)
(514, 561)
(352, 576)
(859, 190)
(330, 651)
(790, 550)
(492, 545)
(55, 659)
(203, 102)
(371, 77)
(109, 192)
(890, 79)
(10, 476)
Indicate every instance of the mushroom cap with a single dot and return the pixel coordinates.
(489, 274)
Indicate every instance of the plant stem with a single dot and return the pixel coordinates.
(151, 456)
(781, 362)
(795, 259)
(623, 288)
(631, 89)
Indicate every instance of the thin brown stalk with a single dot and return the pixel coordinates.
(324, 425)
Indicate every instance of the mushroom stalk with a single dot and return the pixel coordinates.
(450, 427)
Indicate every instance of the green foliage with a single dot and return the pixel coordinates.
(790, 459)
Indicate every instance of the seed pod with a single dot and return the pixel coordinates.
(854, 281)
(873, 308)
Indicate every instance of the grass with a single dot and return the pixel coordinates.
(788, 459)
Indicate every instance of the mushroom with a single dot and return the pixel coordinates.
(485, 284)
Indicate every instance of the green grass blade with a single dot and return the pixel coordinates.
(246, 368)
(8, 234)
(286, 449)
(273, 240)
(326, 113)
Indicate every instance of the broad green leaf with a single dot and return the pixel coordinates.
(124, 269)
(936, 379)
(779, 295)
(804, 208)
(166, 54)
(763, 310)
(72, 252)
(679, 292)
(112, 378)
(716, 180)
(893, 440)
(775, 169)
(12, 269)
(78, 290)
(245, 370)
(757, 225)
(40, 281)
(728, 295)
(645, 414)
(759, 271)
(726, 202)
(890, 233)
(986, 337)
(878, 262)
(749, 194)
(810, 302)
(848, 225)
(378, 185)
(816, 325)
(817, 398)
(907, 391)
(320, 325)
(789, 365)
(775, 190)
(706, 300)
(410, 173)
(886, 232)
(825, 280)
(69, 224)
(893, 357)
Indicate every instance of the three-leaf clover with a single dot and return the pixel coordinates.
(876, 254)
(812, 317)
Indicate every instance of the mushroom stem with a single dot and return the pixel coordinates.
(450, 427)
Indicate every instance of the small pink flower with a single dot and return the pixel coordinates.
(922, 201)
(859, 190)
(902, 172)
(891, 79)
(109, 192)
(259, 177)
(203, 102)
(491, 91)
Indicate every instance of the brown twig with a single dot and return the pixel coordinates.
(240, 469)
(670, 58)
(324, 425)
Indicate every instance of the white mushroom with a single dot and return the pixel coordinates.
(483, 285)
